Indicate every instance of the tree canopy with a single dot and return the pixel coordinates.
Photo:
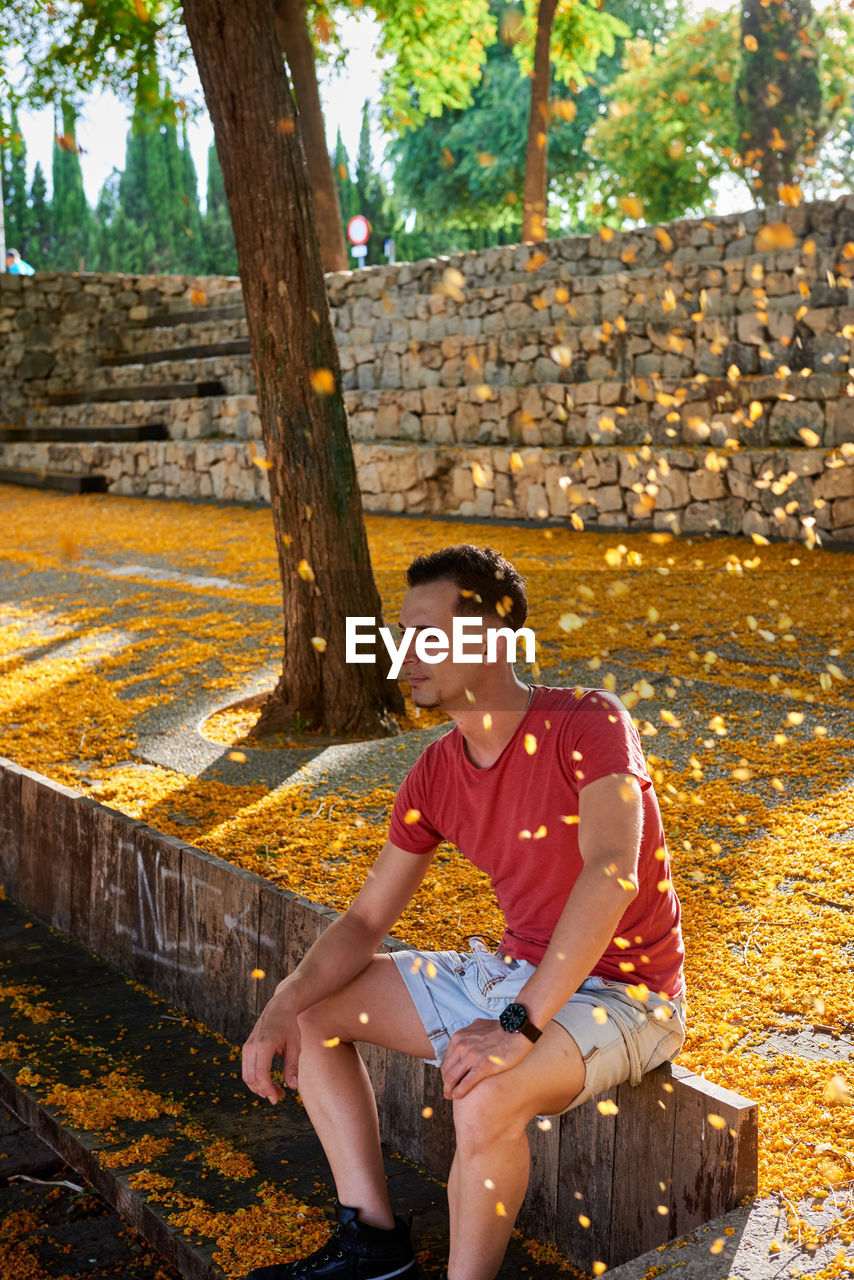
(673, 126)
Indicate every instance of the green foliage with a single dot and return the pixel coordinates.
(40, 238)
(582, 33)
(434, 52)
(71, 216)
(220, 251)
(464, 171)
(779, 91)
(68, 47)
(14, 173)
(672, 132)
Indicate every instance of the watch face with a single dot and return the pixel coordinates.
(513, 1017)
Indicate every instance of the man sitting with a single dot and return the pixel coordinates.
(15, 264)
(546, 789)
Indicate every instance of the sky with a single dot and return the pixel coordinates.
(103, 123)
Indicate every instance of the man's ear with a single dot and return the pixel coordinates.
(500, 645)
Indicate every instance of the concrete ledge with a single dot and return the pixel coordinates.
(193, 928)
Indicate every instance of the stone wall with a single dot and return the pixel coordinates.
(695, 376)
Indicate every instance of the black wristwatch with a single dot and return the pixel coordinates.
(515, 1018)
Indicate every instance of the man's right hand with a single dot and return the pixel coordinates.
(275, 1032)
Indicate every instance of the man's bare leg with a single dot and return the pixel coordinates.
(490, 1172)
(335, 1086)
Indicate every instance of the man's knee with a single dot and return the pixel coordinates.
(489, 1113)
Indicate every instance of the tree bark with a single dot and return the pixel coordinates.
(317, 510)
(296, 44)
(534, 200)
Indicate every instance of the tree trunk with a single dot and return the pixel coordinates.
(296, 43)
(317, 510)
(535, 197)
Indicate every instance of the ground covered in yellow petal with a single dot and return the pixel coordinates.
(735, 660)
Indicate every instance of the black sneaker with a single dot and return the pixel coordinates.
(354, 1251)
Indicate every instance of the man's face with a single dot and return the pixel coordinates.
(437, 684)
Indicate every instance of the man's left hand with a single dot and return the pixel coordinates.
(481, 1049)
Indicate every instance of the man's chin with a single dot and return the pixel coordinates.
(423, 697)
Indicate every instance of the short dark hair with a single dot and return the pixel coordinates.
(487, 582)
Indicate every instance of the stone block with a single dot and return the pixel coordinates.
(788, 417)
(835, 482)
(840, 421)
(842, 512)
(608, 497)
(706, 486)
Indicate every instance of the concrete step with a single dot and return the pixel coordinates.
(206, 372)
(78, 435)
(67, 481)
(204, 332)
(193, 417)
(663, 411)
(568, 352)
(649, 295)
(199, 351)
(168, 318)
(105, 1040)
(767, 491)
(143, 391)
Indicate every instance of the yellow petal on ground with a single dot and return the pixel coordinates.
(238, 756)
(838, 1090)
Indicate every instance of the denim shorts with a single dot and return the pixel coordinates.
(450, 989)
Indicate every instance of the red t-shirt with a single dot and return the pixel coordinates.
(509, 821)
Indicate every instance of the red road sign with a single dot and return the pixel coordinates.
(358, 229)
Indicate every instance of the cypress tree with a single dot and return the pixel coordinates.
(371, 195)
(72, 218)
(348, 197)
(15, 203)
(40, 239)
(194, 254)
(778, 92)
(217, 233)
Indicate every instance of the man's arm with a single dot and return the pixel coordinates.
(340, 953)
(610, 818)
